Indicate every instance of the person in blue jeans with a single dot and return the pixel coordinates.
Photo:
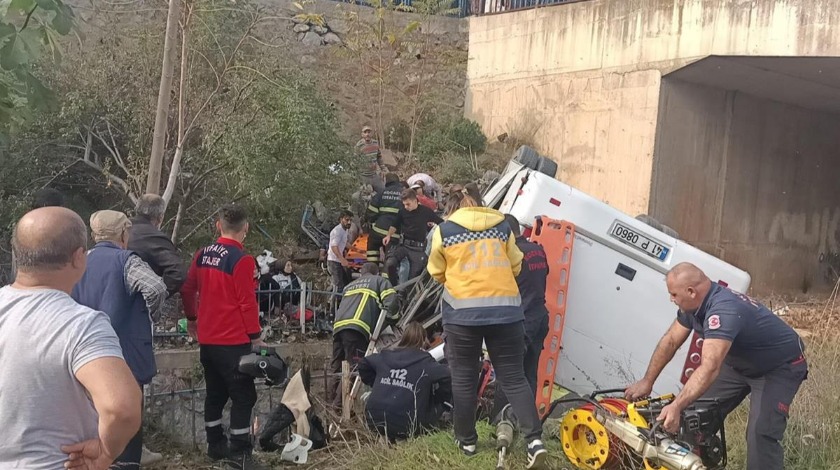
(474, 255)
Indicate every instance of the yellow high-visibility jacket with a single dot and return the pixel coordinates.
(474, 255)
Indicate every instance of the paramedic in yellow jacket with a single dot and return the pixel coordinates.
(474, 256)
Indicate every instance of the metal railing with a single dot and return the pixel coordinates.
(419, 288)
(459, 9)
(306, 294)
(191, 402)
(488, 7)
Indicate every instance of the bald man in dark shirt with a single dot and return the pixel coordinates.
(747, 350)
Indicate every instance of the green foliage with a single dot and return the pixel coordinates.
(433, 7)
(399, 136)
(265, 140)
(27, 28)
(456, 168)
(454, 134)
(289, 153)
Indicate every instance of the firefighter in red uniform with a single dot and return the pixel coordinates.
(221, 307)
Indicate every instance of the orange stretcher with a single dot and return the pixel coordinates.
(557, 239)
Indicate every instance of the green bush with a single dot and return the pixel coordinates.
(399, 136)
(288, 154)
(467, 134)
(453, 134)
(456, 168)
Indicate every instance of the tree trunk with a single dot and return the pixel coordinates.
(173, 174)
(177, 224)
(381, 129)
(411, 137)
(162, 113)
(175, 170)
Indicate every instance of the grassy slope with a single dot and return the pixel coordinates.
(812, 440)
(440, 451)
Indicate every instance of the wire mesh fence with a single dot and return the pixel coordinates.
(313, 312)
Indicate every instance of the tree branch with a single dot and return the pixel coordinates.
(117, 154)
(113, 178)
(28, 16)
(175, 170)
(199, 178)
(215, 39)
(220, 77)
(113, 153)
(197, 226)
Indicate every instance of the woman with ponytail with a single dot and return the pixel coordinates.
(474, 255)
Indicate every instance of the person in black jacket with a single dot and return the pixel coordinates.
(269, 301)
(531, 281)
(410, 389)
(381, 214)
(414, 221)
(158, 251)
(288, 281)
(153, 246)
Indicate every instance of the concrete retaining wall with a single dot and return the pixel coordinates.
(581, 82)
(750, 180)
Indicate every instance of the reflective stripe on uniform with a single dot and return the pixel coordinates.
(373, 209)
(392, 210)
(384, 233)
(367, 294)
(361, 290)
(352, 321)
(501, 301)
(363, 302)
(380, 231)
(239, 432)
(212, 424)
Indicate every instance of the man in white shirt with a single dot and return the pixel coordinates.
(68, 398)
(336, 262)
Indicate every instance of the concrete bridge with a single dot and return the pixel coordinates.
(717, 117)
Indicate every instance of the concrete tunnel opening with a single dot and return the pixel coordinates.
(746, 165)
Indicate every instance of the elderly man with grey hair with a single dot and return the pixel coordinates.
(153, 246)
(119, 283)
(68, 398)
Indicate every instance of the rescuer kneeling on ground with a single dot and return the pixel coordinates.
(410, 389)
(747, 350)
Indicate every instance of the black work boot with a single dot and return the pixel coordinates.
(218, 450)
(245, 461)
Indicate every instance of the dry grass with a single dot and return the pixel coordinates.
(812, 440)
